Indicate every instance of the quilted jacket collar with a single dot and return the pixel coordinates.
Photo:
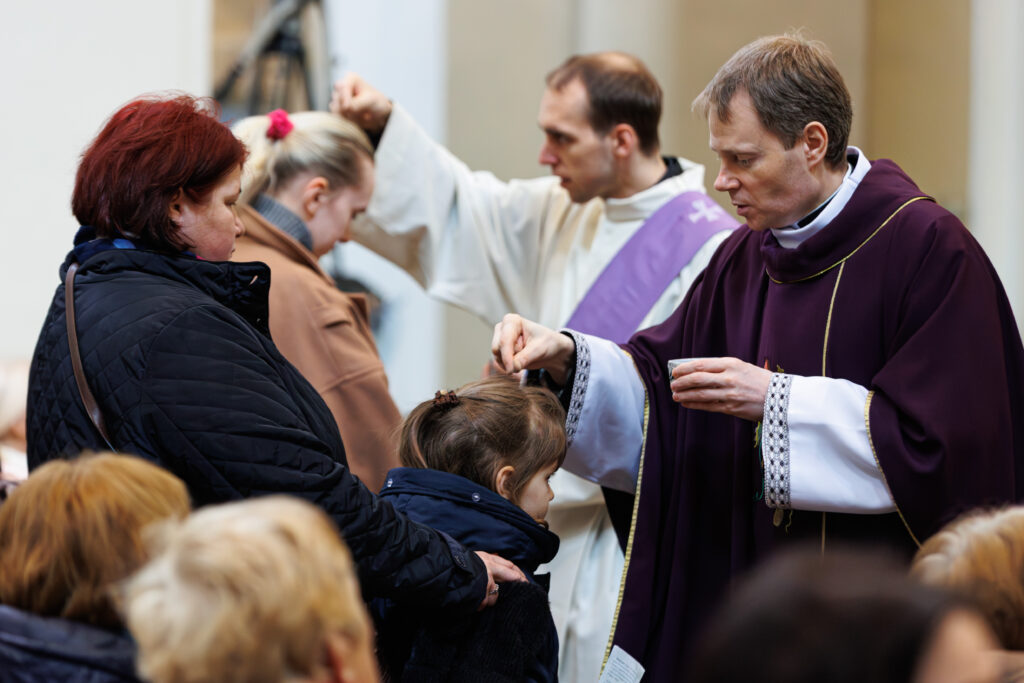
(475, 516)
(242, 287)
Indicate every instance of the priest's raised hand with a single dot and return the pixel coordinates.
(521, 344)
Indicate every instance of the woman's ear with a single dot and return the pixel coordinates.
(503, 482)
(174, 207)
(313, 193)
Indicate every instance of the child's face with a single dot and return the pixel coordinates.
(537, 494)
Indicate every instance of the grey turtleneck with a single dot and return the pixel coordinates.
(284, 219)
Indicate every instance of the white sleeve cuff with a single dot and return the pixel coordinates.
(817, 455)
(605, 422)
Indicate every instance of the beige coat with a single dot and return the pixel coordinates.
(325, 333)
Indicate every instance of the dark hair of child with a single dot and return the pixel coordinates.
(483, 426)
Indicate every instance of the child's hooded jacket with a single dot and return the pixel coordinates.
(515, 639)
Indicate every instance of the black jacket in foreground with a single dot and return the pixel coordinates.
(35, 649)
(178, 354)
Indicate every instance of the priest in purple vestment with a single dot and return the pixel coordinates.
(854, 372)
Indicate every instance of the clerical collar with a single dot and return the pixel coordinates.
(793, 236)
(672, 168)
(284, 219)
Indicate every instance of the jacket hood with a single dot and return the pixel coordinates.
(475, 516)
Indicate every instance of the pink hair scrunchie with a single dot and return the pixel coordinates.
(280, 124)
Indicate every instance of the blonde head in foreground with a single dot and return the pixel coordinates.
(259, 591)
(981, 556)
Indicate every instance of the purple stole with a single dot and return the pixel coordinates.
(634, 280)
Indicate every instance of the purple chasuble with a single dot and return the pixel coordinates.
(634, 280)
(894, 295)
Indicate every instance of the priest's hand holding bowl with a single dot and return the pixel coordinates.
(520, 344)
(721, 385)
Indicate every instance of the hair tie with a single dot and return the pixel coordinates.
(446, 399)
(280, 124)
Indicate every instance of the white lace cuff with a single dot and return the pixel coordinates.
(775, 442)
(579, 385)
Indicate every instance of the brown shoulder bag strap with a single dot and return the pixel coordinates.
(88, 400)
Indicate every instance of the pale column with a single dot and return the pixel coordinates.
(400, 47)
(996, 176)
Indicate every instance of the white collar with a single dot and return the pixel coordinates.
(792, 236)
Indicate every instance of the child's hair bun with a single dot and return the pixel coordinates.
(446, 399)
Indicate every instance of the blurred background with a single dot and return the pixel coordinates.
(938, 85)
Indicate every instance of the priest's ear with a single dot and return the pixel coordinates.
(815, 143)
(503, 481)
(624, 140)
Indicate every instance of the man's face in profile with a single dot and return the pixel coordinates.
(578, 155)
(770, 186)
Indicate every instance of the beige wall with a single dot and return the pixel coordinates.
(498, 55)
(919, 80)
(714, 29)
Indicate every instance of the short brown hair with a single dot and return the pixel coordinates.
(495, 423)
(791, 81)
(620, 89)
(74, 528)
(981, 556)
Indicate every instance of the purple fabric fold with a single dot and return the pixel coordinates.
(634, 280)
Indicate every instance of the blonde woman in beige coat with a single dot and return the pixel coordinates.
(306, 176)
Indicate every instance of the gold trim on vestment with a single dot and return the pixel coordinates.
(632, 530)
(828, 320)
(824, 358)
(824, 352)
(867, 422)
(856, 249)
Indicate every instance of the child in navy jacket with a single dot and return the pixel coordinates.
(477, 463)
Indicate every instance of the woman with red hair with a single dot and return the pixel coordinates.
(175, 358)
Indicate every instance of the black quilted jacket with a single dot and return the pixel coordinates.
(178, 354)
(35, 649)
